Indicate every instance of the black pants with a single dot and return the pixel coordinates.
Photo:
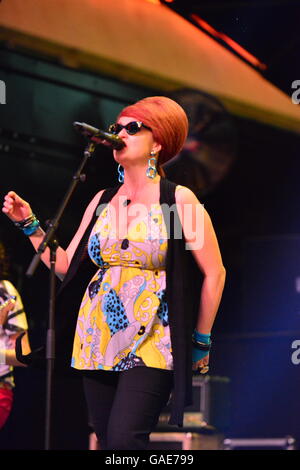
(124, 407)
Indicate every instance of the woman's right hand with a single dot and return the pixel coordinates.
(15, 207)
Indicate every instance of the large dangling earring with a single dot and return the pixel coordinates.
(151, 171)
(121, 174)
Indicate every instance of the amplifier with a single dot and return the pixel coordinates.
(210, 408)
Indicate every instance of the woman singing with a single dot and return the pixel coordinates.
(145, 317)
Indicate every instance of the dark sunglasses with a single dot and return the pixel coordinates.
(131, 128)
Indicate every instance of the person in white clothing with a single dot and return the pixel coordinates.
(13, 322)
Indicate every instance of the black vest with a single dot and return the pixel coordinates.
(183, 287)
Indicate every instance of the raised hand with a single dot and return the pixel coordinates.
(15, 207)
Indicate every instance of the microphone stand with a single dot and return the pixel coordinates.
(50, 241)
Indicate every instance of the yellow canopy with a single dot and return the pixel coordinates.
(145, 42)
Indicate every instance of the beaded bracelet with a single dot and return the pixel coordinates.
(29, 225)
(25, 222)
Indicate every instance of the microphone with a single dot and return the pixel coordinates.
(98, 136)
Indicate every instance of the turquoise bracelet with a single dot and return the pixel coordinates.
(32, 228)
(201, 345)
(201, 337)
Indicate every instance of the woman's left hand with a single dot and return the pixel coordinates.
(202, 365)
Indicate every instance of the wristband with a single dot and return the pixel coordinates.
(202, 337)
(201, 341)
(32, 228)
(198, 355)
(201, 347)
(29, 225)
(25, 222)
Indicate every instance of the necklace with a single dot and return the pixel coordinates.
(128, 201)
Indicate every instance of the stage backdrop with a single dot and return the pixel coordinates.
(39, 154)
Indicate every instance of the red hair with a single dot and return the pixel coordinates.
(167, 120)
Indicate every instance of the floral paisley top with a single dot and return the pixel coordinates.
(123, 317)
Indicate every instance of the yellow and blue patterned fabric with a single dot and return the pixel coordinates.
(123, 318)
